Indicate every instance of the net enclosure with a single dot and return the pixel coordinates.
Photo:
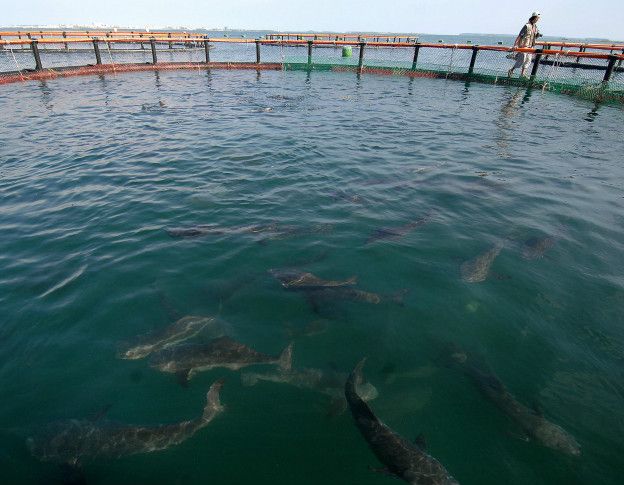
(592, 71)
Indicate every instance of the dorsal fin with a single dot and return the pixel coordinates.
(359, 408)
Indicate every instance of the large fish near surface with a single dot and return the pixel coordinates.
(536, 247)
(295, 279)
(330, 383)
(215, 230)
(187, 359)
(401, 458)
(181, 330)
(71, 442)
(399, 231)
(353, 294)
(532, 422)
(477, 269)
(272, 231)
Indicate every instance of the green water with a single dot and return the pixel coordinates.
(94, 169)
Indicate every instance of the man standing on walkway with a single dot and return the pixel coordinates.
(527, 37)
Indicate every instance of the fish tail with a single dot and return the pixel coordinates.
(285, 358)
(213, 403)
(358, 407)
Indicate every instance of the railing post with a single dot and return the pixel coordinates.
(361, 59)
(35, 50)
(65, 37)
(257, 51)
(473, 59)
(536, 62)
(207, 50)
(170, 43)
(610, 67)
(415, 59)
(581, 49)
(96, 48)
(153, 44)
(309, 54)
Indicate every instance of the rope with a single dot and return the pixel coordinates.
(554, 69)
(19, 70)
(111, 57)
(450, 66)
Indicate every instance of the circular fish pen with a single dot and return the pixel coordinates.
(204, 237)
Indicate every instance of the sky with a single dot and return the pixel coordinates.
(569, 18)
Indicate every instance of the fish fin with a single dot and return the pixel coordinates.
(352, 280)
(285, 359)
(183, 377)
(359, 408)
(213, 403)
(421, 442)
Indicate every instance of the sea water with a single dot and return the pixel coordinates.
(93, 170)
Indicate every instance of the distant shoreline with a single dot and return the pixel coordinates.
(269, 31)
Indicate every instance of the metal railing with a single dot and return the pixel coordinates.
(598, 75)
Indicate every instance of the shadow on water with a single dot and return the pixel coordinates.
(46, 95)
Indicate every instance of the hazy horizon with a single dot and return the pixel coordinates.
(570, 18)
(96, 25)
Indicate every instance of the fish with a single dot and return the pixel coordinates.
(329, 382)
(195, 231)
(215, 230)
(352, 294)
(183, 329)
(401, 458)
(532, 421)
(187, 359)
(385, 233)
(477, 269)
(535, 247)
(273, 230)
(74, 441)
(295, 279)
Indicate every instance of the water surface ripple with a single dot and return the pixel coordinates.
(93, 170)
